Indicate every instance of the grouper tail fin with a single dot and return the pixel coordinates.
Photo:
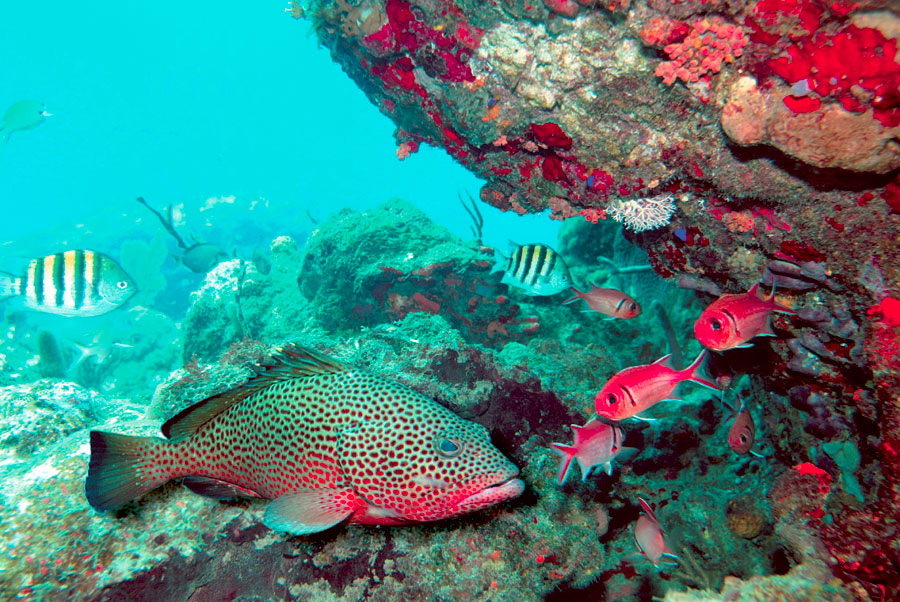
(121, 469)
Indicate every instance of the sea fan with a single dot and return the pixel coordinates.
(643, 214)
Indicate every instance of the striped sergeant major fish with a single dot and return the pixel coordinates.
(72, 283)
(537, 269)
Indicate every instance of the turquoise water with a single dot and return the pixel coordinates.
(182, 102)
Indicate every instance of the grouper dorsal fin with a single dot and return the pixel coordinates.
(289, 362)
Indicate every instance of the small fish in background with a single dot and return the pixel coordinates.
(608, 301)
(309, 433)
(596, 445)
(75, 283)
(536, 269)
(635, 389)
(742, 434)
(97, 352)
(22, 115)
(199, 257)
(732, 320)
(651, 539)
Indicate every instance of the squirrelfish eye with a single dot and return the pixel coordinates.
(122, 284)
(611, 399)
(633, 306)
(743, 438)
(449, 448)
(715, 324)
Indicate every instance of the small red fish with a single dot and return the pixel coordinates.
(596, 444)
(650, 537)
(742, 434)
(635, 389)
(607, 301)
(732, 320)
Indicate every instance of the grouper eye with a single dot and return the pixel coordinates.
(715, 324)
(449, 448)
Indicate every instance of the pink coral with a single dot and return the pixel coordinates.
(710, 43)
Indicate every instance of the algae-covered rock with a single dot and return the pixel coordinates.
(37, 415)
(805, 582)
(237, 302)
(361, 269)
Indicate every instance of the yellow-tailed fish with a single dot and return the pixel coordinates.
(77, 282)
(537, 269)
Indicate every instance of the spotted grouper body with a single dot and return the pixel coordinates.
(326, 443)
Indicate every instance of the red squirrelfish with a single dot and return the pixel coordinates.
(732, 320)
(650, 537)
(325, 442)
(742, 434)
(596, 444)
(608, 301)
(635, 389)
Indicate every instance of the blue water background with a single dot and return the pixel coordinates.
(183, 101)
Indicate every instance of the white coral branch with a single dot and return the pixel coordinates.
(643, 213)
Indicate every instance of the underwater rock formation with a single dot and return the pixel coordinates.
(730, 518)
(771, 126)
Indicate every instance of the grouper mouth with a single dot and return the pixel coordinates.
(494, 494)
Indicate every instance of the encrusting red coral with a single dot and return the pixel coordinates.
(856, 66)
(710, 43)
(551, 135)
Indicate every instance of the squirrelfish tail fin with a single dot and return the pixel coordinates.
(118, 471)
(578, 295)
(568, 454)
(10, 285)
(695, 373)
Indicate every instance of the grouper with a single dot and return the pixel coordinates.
(324, 442)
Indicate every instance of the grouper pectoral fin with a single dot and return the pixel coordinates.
(214, 488)
(291, 361)
(308, 511)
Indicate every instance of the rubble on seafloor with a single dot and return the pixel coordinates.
(738, 523)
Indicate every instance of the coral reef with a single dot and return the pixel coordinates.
(772, 125)
(554, 543)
